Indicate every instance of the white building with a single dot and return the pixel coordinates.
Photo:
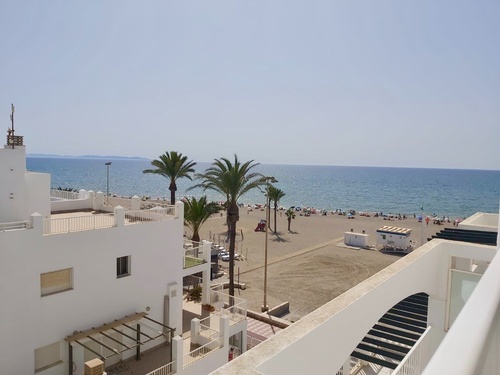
(394, 239)
(84, 285)
(435, 311)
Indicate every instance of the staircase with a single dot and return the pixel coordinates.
(392, 337)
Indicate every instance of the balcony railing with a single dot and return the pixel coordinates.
(141, 216)
(15, 225)
(77, 224)
(56, 193)
(164, 370)
(417, 358)
(193, 256)
(469, 346)
(222, 303)
(210, 328)
(201, 352)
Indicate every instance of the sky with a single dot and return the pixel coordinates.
(358, 83)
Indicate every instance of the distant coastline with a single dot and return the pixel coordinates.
(98, 157)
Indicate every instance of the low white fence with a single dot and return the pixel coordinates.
(206, 329)
(65, 194)
(15, 225)
(78, 224)
(222, 303)
(164, 370)
(201, 352)
(417, 358)
(140, 216)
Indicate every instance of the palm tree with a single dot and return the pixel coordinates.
(231, 180)
(275, 195)
(290, 214)
(173, 166)
(196, 212)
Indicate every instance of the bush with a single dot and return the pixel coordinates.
(194, 294)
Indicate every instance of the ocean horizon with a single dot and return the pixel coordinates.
(444, 192)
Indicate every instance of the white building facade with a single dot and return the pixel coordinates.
(85, 285)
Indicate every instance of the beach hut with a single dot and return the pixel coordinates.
(356, 239)
(394, 239)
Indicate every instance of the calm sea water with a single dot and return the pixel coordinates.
(397, 190)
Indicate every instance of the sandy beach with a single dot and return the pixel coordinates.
(309, 265)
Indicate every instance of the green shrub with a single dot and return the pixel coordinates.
(194, 294)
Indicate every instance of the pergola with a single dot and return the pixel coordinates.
(137, 336)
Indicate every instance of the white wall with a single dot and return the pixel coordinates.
(37, 193)
(355, 239)
(333, 339)
(70, 204)
(12, 186)
(481, 221)
(30, 321)
(400, 242)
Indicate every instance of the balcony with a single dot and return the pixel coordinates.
(85, 221)
(204, 338)
(337, 328)
(193, 254)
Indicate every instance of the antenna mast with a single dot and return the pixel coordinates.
(12, 122)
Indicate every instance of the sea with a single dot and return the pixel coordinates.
(443, 192)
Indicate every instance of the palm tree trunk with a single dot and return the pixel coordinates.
(195, 237)
(289, 222)
(173, 189)
(232, 217)
(275, 210)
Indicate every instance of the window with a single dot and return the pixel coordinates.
(123, 266)
(56, 281)
(383, 237)
(47, 356)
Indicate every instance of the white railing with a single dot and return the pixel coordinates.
(164, 370)
(193, 255)
(64, 194)
(208, 332)
(77, 224)
(15, 225)
(201, 352)
(141, 216)
(206, 329)
(417, 358)
(222, 303)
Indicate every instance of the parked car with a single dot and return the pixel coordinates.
(225, 257)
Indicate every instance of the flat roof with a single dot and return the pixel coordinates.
(394, 230)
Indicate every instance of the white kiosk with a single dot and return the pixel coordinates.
(394, 239)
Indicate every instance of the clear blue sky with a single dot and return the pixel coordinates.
(369, 83)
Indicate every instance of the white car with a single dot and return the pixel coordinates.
(225, 257)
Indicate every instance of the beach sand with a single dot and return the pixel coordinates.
(308, 266)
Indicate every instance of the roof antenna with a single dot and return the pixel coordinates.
(12, 122)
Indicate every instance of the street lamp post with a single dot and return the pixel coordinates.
(270, 180)
(107, 180)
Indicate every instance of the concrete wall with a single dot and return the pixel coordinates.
(37, 193)
(30, 321)
(481, 221)
(70, 204)
(329, 334)
(12, 186)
